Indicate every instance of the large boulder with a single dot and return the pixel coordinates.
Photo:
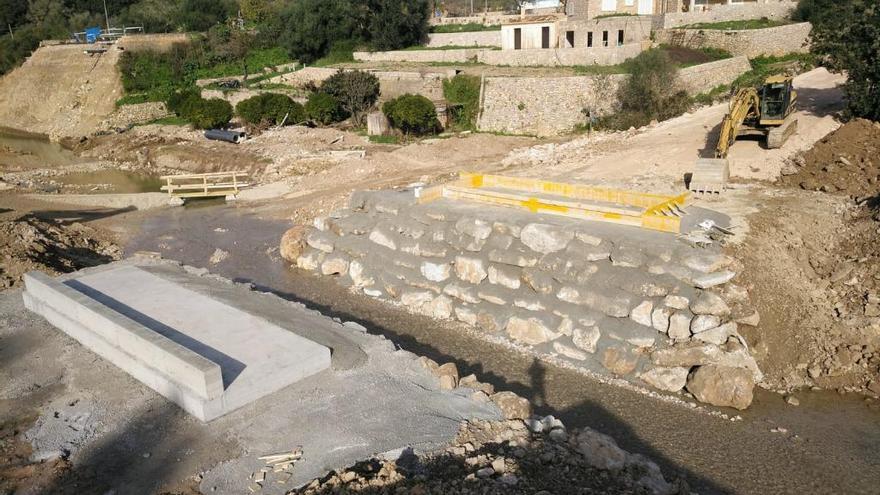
(722, 386)
(668, 379)
(599, 450)
(293, 242)
(710, 303)
(619, 360)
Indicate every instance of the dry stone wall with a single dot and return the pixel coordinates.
(777, 41)
(720, 13)
(391, 83)
(477, 38)
(546, 106)
(612, 55)
(606, 299)
(454, 55)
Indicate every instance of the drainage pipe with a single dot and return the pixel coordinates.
(228, 136)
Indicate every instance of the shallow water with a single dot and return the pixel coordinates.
(20, 150)
(119, 181)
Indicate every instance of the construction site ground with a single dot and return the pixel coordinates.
(791, 241)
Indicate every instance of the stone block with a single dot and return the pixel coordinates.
(355, 246)
(679, 326)
(676, 302)
(389, 202)
(641, 314)
(626, 331)
(512, 406)
(311, 259)
(435, 272)
(586, 339)
(462, 293)
(517, 255)
(384, 236)
(668, 379)
(569, 351)
(293, 242)
(722, 386)
(709, 280)
(539, 281)
(408, 228)
(544, 238)
(508, 228)
(494, 295)
(627, 256)
(501, 242)
(470, 269)
(706, 262)
(473, 227)
(357, 224)
(466, 314)
(439, 307)
(423, 247)
(470, 381)
(322, 241)
(619, 360)
(334, 264)
(610, 302)
(492, 319)
(359, 275)
(717, 335)
(701, 323)
(414, 299)
(531, 330)
(709, 303)
(587, 238)
(504, 276)
(660, 319)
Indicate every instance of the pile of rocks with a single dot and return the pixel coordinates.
(605, 298)
(538, 456)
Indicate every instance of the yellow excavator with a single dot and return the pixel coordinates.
(768, 110)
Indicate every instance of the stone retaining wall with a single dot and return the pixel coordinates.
(391, 83)
(721, 13)
(476, 38)
(561, 56)
(486, 19)
(604, 298)
(546, 106)
(462, 55)
(778, 41)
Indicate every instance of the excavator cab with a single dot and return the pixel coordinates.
(776, 100)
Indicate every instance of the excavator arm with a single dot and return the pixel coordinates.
(744, 105)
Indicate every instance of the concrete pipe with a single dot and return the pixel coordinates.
(228, 136)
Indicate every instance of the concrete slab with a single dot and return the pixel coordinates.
(207, 355)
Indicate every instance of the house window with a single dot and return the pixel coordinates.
(517, 39)
(619, 37)
(604, 38)
(545, 37)
(590, 39)
(569, 39)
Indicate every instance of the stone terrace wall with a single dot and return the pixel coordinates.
(449, 56)
(477, 38)
(603, 298)
(391, 83)
(561, 56)
(486, 19)
(781, 40)
(721, 13)
(546, 106)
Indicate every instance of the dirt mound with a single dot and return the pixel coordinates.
(61, 91)
(846, 161)
(30, 243)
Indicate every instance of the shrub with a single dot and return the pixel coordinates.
(395, 24)
(463, 94)
(412, 114)
(209, 114)
(651, 92)
(270, 109)
(180, 102)
(356, 91)
(324, 109)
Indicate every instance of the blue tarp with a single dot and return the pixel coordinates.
(92, 34)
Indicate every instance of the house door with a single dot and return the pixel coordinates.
(646, 7)
(545, 37)
(517, 39)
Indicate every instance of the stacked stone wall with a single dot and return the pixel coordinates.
(546, 106)
(721, 13)
(486, 19)
(476, 38)
(777, 41)
(391, 83)
(461, 55)
(606, 299)
(612, 55)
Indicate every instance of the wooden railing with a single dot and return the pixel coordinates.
(205, 185)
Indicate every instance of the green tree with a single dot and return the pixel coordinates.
(200, 15)
(847, 36)
(356, 91)
(12, 14)
(254, 10)
(312, 27)
(396, 24)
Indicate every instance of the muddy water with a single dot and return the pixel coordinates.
(831, 443)
(21, 150)
(110, 180)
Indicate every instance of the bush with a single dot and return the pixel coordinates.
(324, 109)
(209, 114)
(412, 114)
(180, 102)
(649, 93)
(270, 109)
(396, 24)
(463, 94)
(355, 90)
